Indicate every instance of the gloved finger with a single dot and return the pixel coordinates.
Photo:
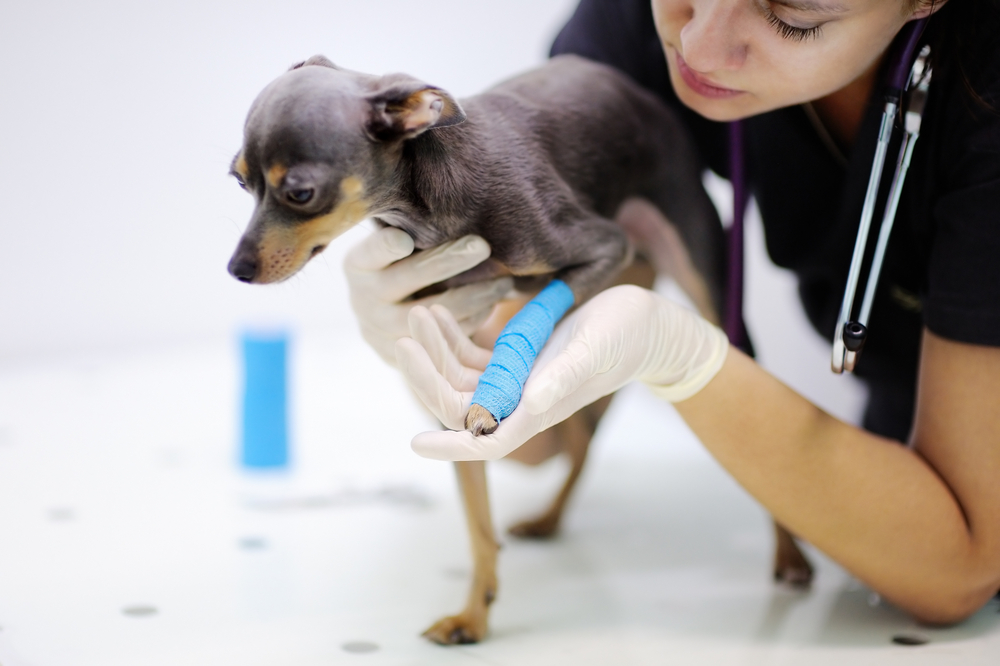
(424, 328)
(514, 431)
(469, 353)
(455, 445)
(561, 377)
(446, 403)
(577, 385)
(590, 391)
(413, 273)
(378, 250)
(472, 324)
(383, 323)
(470, 300)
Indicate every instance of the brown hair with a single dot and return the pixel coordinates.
(959, 35)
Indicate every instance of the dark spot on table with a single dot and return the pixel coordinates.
(140, 611)
(909, 640)
(359, 647)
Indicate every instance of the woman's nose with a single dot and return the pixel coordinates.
(712, 40)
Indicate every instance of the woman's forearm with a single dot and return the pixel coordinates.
(922, 525)
(872, 504)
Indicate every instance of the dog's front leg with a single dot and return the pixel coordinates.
(470, 625)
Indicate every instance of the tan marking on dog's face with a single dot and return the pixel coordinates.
(241, 167)
(352, 186)
(285, 250)
(276, 174)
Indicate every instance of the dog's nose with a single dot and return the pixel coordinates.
(244, 268)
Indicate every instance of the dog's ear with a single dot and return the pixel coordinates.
(319, 60)
(403, 107)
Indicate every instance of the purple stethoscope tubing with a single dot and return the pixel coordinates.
(733, 316)
(907, 70)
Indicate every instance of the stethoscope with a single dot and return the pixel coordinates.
(909, 72)
(850, 334)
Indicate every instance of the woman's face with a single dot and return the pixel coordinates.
(731, 59)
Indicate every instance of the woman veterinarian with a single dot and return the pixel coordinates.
(919, 524)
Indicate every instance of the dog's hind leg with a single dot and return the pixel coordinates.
(574, 435)
(470, 625)
(661, 241)
(790, 565)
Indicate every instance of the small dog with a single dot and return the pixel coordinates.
(541, 166)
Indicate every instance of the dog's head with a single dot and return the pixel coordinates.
(319, 144)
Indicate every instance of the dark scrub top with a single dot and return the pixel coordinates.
(942, 265)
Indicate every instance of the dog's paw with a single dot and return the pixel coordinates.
(458, 629)
(479, 421)
(792, 568)
(540, 528)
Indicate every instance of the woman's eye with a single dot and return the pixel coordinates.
(789, 31)
(299, 196)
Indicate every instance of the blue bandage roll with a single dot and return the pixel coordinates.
(265, 401)
(502, 382)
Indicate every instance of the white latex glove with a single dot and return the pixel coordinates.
(381, 275)
(622, 334)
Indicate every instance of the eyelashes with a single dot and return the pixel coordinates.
(790, 31)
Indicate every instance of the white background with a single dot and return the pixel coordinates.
(117, 125)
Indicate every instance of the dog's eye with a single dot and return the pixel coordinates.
(239, 179)
(299, 196)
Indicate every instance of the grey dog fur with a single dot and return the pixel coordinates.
(537, 165)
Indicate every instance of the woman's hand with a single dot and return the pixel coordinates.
(622, 334)
(382, 275)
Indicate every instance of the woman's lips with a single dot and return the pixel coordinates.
(700, 85)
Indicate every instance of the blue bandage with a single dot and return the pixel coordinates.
(502, 382)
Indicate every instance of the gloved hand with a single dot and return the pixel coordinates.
(622, 334)
(381, 275)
